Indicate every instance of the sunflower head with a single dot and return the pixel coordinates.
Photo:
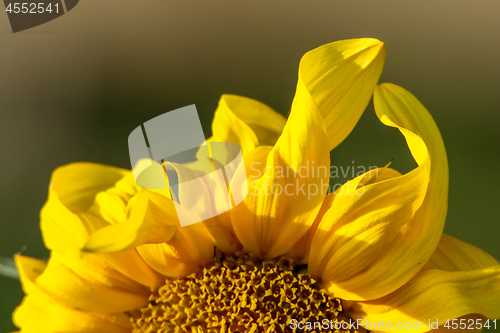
(291, 256)
(241, 293)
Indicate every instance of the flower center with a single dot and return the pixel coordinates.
(238, 293)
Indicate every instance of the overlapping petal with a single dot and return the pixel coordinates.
(39, 313)
(178, 253)
(460, 280)
(132, 265)
(239, 120)
(376, 242)
(88, 209)
(79, 203)
(91, 283)
(300, 251)
(334, 86)
(374, 239)
(44, 316)
(83, 198)
(282, 202)
(246, 123)
(203, 195)
(189, 249)
(147, 223)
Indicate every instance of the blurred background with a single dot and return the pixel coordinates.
(74, 88)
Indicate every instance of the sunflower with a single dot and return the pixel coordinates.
(290, 257)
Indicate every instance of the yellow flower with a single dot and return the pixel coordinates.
(290, 255)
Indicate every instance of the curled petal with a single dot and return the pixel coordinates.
(77, 184)
(152, 220)
(375, 238)
(164, 245)
(340, 78)
(84, 197)
(88, 209)
(61, 228)
(246, 122)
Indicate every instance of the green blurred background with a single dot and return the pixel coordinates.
(74, 88)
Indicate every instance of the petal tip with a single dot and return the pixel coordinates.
(374, 52)
(372, 42)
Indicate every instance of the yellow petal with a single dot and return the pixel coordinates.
(131, 264)
(340, 78)
(37, 315)
(222, 232)
(83, 197)
(189, 249)
(348, 249)
(246, 122)
(153, 228)
(393, 104)
(61, 228)
(377, 175)
(43, 311)
(455, 255)
(376, 238)
(29, 270)
(152, 220)
(203, 194)
(249, 124)
(90, 283)
(462, 281)
(284, 196)
(111, 205)
(300, 251)
(77, 184)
